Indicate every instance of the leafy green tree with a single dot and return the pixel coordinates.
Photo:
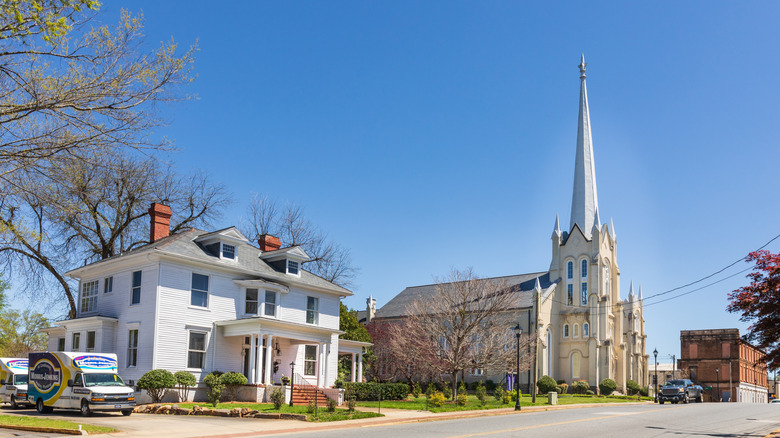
(20, 332)
(185, 381)
(354, 331)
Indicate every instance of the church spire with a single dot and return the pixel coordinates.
(584, 200)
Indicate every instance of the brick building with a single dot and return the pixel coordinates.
(721, 359)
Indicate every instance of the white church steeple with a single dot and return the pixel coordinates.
(584, 200)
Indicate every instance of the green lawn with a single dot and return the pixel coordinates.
(14, 420)
(321, 416)
(491, 403)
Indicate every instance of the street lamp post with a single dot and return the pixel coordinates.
(717, 376)
(655, 384)
(292, 381)
(518, 331)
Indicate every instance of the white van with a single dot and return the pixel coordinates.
(13, 381)
(72, 380)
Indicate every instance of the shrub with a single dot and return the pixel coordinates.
(369, 391)
(560, 382)
(580, 387)
(184, 382)
(156, 382)
(644, 391)
(607, 386)
(215, 385)
(461, 400)
(462, 388)
(514, 393)
(498, 393)
(447, 391)
(351, 403)
(562, 388)
(277, 398)
(490, 385)
(507, 398)
(632, 387)
(546, 384)
(310, 407)
(331, 405)
(437, 399)
(481, 393)
(338, 383)
(416, 389)
(589, 392)
(232, 381)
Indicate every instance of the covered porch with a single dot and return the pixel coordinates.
(355, 350)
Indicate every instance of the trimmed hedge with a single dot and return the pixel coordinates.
(607, 386)
(369, 391)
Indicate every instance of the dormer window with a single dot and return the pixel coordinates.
(292, 267)
(228, 251)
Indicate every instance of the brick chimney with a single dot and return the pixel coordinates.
(160, 226)
(268, 242)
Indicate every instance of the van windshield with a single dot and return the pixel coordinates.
(20, 379)
(103, 379)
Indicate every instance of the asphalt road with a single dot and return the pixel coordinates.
(719, 420)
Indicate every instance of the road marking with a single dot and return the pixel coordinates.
(495, 432)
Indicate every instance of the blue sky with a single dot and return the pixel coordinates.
(429, 135)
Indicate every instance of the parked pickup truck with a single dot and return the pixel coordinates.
(680, 390)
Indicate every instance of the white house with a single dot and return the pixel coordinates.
(203, 301)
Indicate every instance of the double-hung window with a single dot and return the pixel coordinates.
(292, 267)
(200, 290)
(310, 361)
(312, 310)
(132, 347)
(89, 291)
(76, 340)
(250, 304)
(136, 291)
(196, 352)
(61, 344)
(270, 304)
(91, 341)
(228, 251)
(108, 285)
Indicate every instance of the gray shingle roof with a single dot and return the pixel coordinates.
(522, 286)
(183, 245)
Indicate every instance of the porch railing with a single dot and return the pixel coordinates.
(305, 387)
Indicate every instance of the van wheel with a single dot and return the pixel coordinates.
(85, 410)
(698, 399)
(14, 405)
(127, 412)
(40, 407)
(661, 402)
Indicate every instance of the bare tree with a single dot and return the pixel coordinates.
(81, 212)
(288, 222)
(464, 324)
(64, 92)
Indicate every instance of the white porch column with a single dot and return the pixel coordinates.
(252, 356)
(321, 366)
(360, 368)
(269, 354)
(259, 357)
(352, 375)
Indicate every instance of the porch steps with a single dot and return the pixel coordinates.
(302, 394)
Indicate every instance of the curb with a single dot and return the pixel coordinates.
(774, 434)
(45, 429)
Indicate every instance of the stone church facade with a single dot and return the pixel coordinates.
(582, 328)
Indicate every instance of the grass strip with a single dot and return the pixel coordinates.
(24, 421)
(322, 413)
(418, 403)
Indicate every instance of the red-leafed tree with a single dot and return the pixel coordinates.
(759, 303)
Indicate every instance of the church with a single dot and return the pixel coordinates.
(582, 328)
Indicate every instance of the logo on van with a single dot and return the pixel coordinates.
(44, 376)
(18, 363)
(94, 362)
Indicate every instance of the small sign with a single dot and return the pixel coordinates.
(93, 362)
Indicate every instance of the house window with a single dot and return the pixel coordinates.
(477, 371)
(584, 294)
(585, 330)
(196, 353)
(136, 291)
(76, 340)
(566, 330)
(228, 251)
(310, 360)
(61, 344)
(108, 285)
(312, 312)
(200, 290)
(250, 304)
(270, 304)
(570, 294)
(132, 348)
(89, 292)
(584, 269)
(442, 345)
(292, 267)
(576, 331)
(570, 270)
(91, 341)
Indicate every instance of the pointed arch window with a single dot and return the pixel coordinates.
(570, 270)
(566, 330)
(549, 353)
(576, 331)
(585, 330)
(569, 294)
(606, 280)
(584, 293)
(584, 268)
(575, 365)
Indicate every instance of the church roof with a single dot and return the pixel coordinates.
(584, 199)
(522, 285)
